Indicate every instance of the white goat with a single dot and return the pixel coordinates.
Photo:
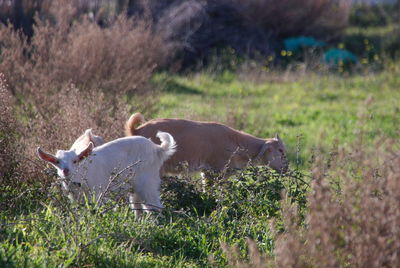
(117, 166)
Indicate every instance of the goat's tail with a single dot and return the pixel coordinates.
(168, 144)
(130, 125)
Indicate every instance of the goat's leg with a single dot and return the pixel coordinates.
(152, 199)
(135, 204)
(208, 177)
(147, 187)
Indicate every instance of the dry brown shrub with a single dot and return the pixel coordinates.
(353, 213)
(292, 18)
(67, 47)
(73, 74)
(76, 111)
(8, 133)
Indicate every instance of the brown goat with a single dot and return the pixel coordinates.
(208, 146)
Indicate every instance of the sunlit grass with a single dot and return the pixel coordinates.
(319, 109)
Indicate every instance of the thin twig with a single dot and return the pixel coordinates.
(112, 179)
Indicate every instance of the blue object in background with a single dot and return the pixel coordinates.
(297, 43)
(336, 55)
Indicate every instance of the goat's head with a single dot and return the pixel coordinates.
(65, 161)
(273, 154)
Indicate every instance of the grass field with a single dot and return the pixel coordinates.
(310, 111)
(338, 206)
(314, 114)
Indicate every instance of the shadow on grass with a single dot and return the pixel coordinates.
(172, 86)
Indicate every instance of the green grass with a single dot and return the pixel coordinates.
(309, 112)
(58, 232)
(314, 111)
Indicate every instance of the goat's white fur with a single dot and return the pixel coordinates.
(136, 160)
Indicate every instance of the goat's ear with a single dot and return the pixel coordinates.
(266, 148)
(88, 132)
(277, 137)
(85, 153)
(89, 135)
(47, 157)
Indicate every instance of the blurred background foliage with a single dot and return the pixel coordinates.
(202, 29)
